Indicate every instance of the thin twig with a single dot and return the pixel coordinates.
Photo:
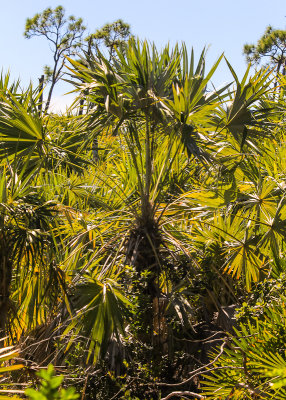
(84, 387)
(182, 394)
(202, 340)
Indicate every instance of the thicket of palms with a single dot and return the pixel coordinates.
(130, 230)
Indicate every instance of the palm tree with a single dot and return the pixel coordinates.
(152, 104)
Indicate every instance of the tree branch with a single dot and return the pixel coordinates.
(182, 394)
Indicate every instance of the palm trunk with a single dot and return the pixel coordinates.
(160, 328)
(146, 206)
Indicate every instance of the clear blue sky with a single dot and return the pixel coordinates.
(225, 25)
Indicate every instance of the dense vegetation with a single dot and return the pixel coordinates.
(143, 232)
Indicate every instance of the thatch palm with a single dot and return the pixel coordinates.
(140, 97)
(152, 104)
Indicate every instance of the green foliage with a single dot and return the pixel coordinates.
(102, 311)
(254, 362)
(110, 35)
(50, 387)
(51, 24)
(272, 45)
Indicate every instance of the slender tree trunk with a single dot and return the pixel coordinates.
(49, 96)
(55, 78)
(41, 85)
(81, 103)
(277, 72)
(95, 150)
